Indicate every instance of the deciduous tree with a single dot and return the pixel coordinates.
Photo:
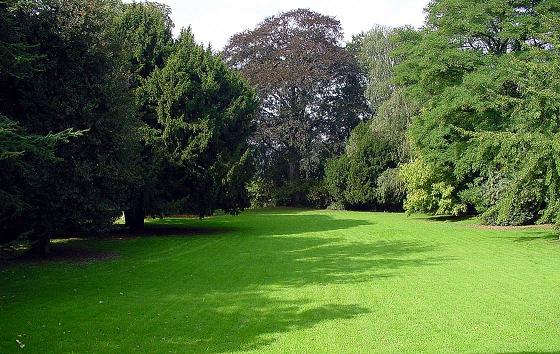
(485, 74)
(310, 90)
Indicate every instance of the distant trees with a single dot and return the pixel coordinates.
(311, 96)
(486, 76)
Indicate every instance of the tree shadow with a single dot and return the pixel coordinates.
(448, 218)
(232, 299)
(246, 321)
(265, 223)
(535, 235)
(233, 290)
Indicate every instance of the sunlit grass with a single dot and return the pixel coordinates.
(294, 281)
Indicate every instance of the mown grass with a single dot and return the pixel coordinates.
(294, 281)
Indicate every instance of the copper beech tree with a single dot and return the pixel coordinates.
(310, 89)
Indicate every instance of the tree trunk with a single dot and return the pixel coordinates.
(294, 177)
(42, 246)
(134, 216)
(293, 171)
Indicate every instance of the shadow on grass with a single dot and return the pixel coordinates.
(266, 223)
(234, 298)
(161, 228)
(536, 235)
(253, 323)
(448, 218)
(237, 290)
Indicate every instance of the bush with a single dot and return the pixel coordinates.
(429, 190)
(517, 206)
(352, 179)
(260, 193)
(318, 196)
(336, 179)
(304, 193)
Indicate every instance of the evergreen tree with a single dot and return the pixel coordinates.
(76, 80)
(146, 31)
(205, 112)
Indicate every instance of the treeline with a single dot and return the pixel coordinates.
(458, 117)
(103, 111)
(465, 115)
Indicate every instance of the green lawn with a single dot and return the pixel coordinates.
(290, 281)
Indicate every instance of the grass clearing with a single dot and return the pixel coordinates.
(294, 281)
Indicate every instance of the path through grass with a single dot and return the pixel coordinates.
(294, 281)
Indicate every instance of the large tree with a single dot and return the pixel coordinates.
(310, 89)
(145, 29)
(486, 75)
(366, 174)
(204, 119)
(73, 78)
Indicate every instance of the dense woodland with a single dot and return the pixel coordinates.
(103, 112)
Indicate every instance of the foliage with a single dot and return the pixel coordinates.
(157, 123)
(486, 76)
(146, 32)
(310, 193)
(351, 179)
(68, 74)
(390, 190)
(336, 180)
(24, 159)
(303, 193)
(259, 191)
(310, 91)
(427, 191)
(373, 50)
(204, 113)
(366, 175)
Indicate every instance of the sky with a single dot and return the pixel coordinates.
(215, 21)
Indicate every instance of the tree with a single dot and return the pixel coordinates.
(366, 175)
(146, 30)
(485, 75)
(205, 112)
(310, 90)
(76, 80)
(373, 50)
(24, 160)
